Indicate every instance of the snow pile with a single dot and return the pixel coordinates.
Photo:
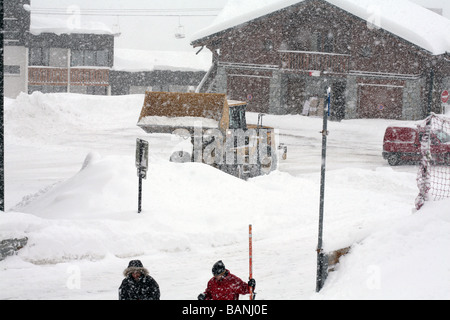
(48, 117)
(402, 18)
(179, 122)
(403, 260)
(71, 188)
(141, 60)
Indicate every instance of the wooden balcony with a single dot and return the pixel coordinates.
(315, 61)
(38, 76)
(52, 76)
(89, 77)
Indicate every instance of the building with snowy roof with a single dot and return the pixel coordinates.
(382, 59)
(48, 54)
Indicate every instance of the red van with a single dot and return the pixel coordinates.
(402, 145)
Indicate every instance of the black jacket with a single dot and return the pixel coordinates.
(146, 288)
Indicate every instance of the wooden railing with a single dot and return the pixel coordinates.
(47, 76)
(89, 77)
(314, 61)
(59, 76)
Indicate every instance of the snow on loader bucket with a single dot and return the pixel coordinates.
(220, 135)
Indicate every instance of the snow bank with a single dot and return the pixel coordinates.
(92, 214)
(402, 260)
(48, 117)
(193, 215)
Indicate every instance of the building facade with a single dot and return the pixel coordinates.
(49, 62)
(16, 24)
(287, 57)
(78, 63)
(73, 60)
(137, 82)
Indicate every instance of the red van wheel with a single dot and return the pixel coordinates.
(393, 159)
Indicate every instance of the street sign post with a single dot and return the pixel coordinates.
(141, 165)
(444, 99)
(444, 96)
(322, 258)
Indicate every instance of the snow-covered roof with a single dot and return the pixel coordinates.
(142, 60)
(403, 18)
(42, 24)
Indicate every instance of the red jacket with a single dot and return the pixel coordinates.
(227, 288)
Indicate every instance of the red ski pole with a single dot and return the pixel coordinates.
(250, 258)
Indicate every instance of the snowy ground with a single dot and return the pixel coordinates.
(71, 188)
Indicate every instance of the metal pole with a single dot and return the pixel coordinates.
(2, 157)
(69, 58)
(430, 93)
(321, 257)
(141, 165)
(2, 145)
(140, 195)
(141, 151)
(250, 258)
(258, 126)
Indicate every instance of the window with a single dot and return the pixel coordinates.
(268, 45)
(39, 56)
(102, 58)
(443, 136)
(89, 58)
(322, 42)
(366, 51)
(11, 70)
(76, 58)
(302, 40)
(11, 28)
(96, 90)
(328, 45)
(316, 41)
(237, 117)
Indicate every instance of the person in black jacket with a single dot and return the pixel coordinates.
(138, 284)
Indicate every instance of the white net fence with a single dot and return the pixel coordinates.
(433, 178)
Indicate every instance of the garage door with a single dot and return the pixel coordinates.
(296, 95)
(254, 89)
(380, 101)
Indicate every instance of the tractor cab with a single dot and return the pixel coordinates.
(237, 115)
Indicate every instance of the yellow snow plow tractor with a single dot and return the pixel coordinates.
(218, 129)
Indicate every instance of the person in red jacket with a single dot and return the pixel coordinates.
(224, 285)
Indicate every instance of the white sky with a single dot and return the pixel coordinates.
(158, 32)
(142, 32)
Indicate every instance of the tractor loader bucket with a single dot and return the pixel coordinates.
(165, 111)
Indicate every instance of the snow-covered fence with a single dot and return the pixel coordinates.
(433, 178)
